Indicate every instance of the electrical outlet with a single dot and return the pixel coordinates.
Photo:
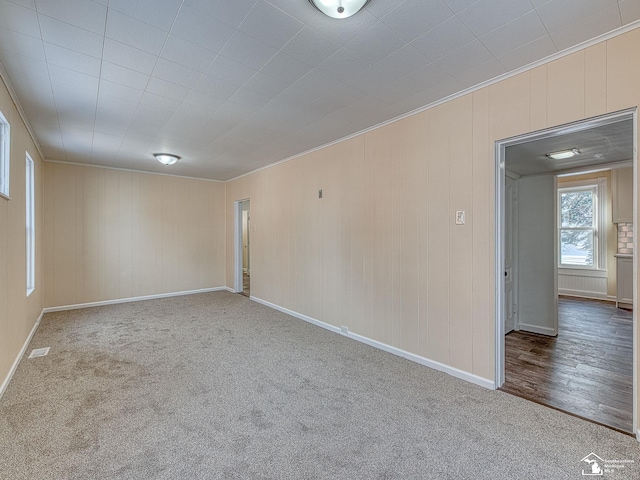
(459, 217)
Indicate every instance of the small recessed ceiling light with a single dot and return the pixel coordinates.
(562, 154)
(166, 158)
(339, 8)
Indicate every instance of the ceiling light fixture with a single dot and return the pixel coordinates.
(166, 158)
(339, 8)
(562, 154)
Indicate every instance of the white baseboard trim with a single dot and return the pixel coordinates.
(582, 294)
(454, 372)
(16, 362)
(552, 332)
(306, 318)
(229, 289)
(130, 299)
(578, 294)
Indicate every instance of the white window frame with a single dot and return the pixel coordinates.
(5, 159)
(599, 188)
(30, 224)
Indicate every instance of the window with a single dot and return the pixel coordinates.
(4, 156)
(581, 222)
(31, 234)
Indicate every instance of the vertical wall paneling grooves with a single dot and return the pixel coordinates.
(572, 283)
(439, 219)
(48, 225)
(298, 245)
(406, 321)
(483, 224)
(119, 234)
(125, 237)
(595, 95)
(19, 314)
(369, 259)
(382, 235)
(423, 237)
(461, 240)
(537, 98)
(330, 240)
(398, 224)
(355, 186)
(566, 89)
(381, 253)
(345, 210)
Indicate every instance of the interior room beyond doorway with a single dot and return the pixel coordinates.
(586, 370)
(565, 275)
(246, 258)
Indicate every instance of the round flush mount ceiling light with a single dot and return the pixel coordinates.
(166, 158)
(339, 8)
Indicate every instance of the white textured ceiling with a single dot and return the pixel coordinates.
(608, 142)
(234, 85)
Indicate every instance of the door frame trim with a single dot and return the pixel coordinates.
(237, 245)
(499, 172)
(514, 233)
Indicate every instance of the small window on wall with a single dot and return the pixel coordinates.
(31, 233)
(4, 156)
(581, 225)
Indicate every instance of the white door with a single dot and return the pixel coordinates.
(510, 229)
(537, 260)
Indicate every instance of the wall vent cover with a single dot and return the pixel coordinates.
(39, 352)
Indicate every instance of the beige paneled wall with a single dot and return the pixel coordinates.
(114, 234)
(380, 252)
(18, 313)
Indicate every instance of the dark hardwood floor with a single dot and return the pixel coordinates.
(586, 370)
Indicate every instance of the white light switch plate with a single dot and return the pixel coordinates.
(459, 217)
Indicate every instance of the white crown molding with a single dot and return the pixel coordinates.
(601, 38)
(4, 76)
(104, 167)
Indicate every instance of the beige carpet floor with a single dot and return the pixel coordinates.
(217, 386)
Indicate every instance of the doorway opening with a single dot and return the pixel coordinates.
(567, 344)
(242, 247)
